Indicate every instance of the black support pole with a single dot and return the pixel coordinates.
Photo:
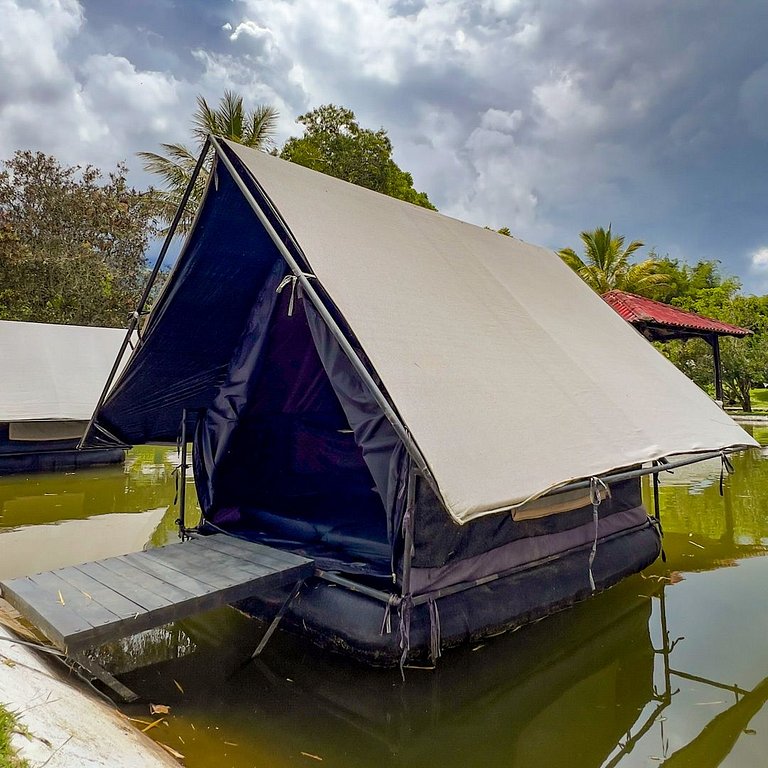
(715, 342)
(656, 504)
(135, 317)
(183, 478)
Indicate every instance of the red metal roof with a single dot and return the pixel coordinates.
(641, 311)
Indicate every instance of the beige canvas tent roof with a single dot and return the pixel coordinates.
(510, 374)
(53, 372)
(502, 372)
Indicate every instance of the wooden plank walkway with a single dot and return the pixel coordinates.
(82, 606)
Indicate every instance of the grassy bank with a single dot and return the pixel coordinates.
(759, 399)
(8, 726)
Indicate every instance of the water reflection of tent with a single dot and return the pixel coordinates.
(662, 322)
(716, 740)
(517, 701)
(50, 380)
(80, 495)
(576, 689)
(713, 537)
(353, 367)
(36, 548)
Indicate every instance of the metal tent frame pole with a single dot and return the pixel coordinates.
(182, 479)
(654, 468)
(136, 316)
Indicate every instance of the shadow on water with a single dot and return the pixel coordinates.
(668, 668)
(587, 687)
(562, 692)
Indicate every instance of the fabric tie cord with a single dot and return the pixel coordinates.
(725, 467)
(434, 631)
(595, 484)
(386, 623)
(296, 291)
(404, 633)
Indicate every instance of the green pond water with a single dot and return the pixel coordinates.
(668, 668)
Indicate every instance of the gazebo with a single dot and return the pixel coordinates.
(662, 322)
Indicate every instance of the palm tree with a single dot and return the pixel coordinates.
(229, 120)
(606, 265)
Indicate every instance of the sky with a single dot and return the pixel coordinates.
(546, 117)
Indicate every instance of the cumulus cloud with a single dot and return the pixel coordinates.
(758, 269)
(759, 259)
(546, 117)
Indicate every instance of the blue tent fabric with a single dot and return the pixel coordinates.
(196, 322)
(214, 434)
(279, 460)
(383, 451)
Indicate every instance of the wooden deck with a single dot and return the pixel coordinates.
(82, 606)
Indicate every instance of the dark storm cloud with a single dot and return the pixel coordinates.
(546, 117)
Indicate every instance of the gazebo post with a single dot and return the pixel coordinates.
(714, 341)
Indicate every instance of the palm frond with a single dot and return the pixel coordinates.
(230, 120)
(204, 121)
(263, 126)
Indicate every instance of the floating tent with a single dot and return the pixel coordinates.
(50, 380)
(446, 419)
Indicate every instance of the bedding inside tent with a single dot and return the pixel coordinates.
(292, 474)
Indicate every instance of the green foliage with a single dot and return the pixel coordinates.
(71, 242)
(744, 360)
(9, 726)
(229, 120)
(703, 290)
(606, 265)
(684, 281)
(700, 288)
(335, 144)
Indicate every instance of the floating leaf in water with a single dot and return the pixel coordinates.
(178, 685)
(314, 757)
(159, 709)
(137, 720)
(171, 751)
(152, 725)
(230, 743)
(690, 541)
(675, 577)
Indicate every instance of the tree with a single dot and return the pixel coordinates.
(684, 282)
(606, 264)
(335, 144)
(230, 120)
(71, 242)
(744, 360)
